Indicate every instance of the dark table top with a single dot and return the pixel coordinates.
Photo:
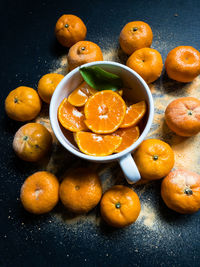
(28, 51)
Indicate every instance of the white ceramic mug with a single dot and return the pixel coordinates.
(138, 91)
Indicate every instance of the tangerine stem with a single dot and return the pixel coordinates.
(188, 191)
(155, 157)
(118, 205)
(16, 100)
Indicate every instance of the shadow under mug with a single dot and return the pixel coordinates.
(135, 88)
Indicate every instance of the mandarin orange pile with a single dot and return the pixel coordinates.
(102, 124)
(106, 125)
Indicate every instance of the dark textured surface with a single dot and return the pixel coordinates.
(28, 48)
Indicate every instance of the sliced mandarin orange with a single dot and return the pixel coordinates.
(129, 136)
(134, 114)
(96, 144)
(80, 95)
(70, 117)
(104, 112)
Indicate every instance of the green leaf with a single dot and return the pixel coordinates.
(100, 79)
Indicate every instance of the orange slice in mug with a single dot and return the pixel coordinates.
(70, 117)
(104, 112)
(97, 145)
(129, 136)
(80, 95)
(134, 114)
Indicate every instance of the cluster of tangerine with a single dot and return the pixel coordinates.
(103, 124)
(101, 121)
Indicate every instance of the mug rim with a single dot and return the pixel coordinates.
(112, 157)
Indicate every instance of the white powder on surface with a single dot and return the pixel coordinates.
(77, 113)
(101, 108)
(97, 138)
(127, 109)
(38, 192)
(181, 180)
(81, 93)
(77, 125)
(105, 116)
(147, 215)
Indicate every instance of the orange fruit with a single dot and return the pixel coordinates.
(135, 35)
(32, 142)
(147, 62)
(154, 159)
(39, 193)
(183, 64)
(120, 206)
(129, 136)
(104, 112)
(47, 84)
(69, 30)
(96, 144)
(70, 117)
(80, 190)
(22, 104)
(134, 114)
(183, 116)
(83, 52)
(180, 191)
(80, 95)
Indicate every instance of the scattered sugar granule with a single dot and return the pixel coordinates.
(97, 138)
(81, 93)
(101, 108)
(77, 113)
(105, 116)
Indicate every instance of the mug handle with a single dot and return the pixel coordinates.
(129, 169)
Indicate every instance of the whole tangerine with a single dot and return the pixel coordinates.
(83, 52)
(180, 191)
(120, 206)
(47, 85)
(135, 35)
(69, 30)
(39, 192)
(32, 142)
(80, 190)
(147, 62)
(154, 159)
(183, 64)
(23, 104)
(182, 116)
